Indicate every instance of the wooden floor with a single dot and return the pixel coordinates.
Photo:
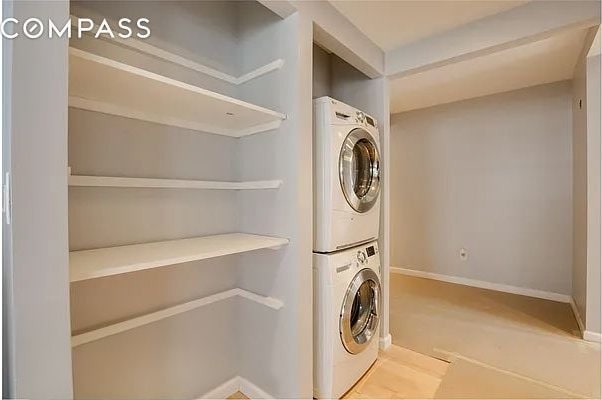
(500, 345)
(397, 374)
(461, 342)
(400, 374)
(237, 395)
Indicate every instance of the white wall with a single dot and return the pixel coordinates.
(492, 175)
(36, 278)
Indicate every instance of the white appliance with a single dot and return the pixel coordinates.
(346, 176)
(346, 317)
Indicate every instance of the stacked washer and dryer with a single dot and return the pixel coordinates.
(346, 264)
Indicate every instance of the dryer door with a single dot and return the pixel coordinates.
(359, 318)
(359, 170)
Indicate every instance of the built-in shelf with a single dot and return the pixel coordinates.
(124, 182)
(97, 263)
(107, 86)
(141, 46)
(123, 326)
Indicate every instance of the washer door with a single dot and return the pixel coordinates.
(359, 170)
(360, 311)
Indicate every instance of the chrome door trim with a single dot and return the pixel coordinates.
(357, 340)
(346, 177)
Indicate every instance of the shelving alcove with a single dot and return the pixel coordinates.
(171, 197)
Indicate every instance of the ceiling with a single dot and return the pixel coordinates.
(391, 24)
(545, 61)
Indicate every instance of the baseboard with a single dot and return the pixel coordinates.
(253, 391)
(224, 390)
(541, 294)
(385, 343)
(237, 384)
(592, 336)
(577, 315)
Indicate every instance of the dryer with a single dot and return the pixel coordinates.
(347, 296)
(346, 176)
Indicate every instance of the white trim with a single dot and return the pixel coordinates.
(264, 300)
(541, 294)
(237, 384)
(385, 342)
(451, 356)
(256, 129)
(274, 65)
(157, 52)
(577, 315)
(129, 324)
(224, 390)
(592, 336)
(253, 391)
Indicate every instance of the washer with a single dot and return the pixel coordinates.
(346, 176)
(346, 317)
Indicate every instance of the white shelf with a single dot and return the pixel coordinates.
(119, 327)
(145, 48)
(97, 263)
(121, 182)
(103, 85)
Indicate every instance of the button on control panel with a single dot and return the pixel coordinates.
(359, 117)
(361, 257)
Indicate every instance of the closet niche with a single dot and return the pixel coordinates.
(182, 210)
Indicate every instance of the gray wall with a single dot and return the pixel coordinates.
(586, 189)
(492, 175)
(37, 277)
(321, 77)
(276, 346)
(579, 270)
(593, 195)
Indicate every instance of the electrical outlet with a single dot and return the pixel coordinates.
(463, 254)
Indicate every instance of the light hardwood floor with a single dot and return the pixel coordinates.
(397, 374)
(400, 374)
(500, 345)
(461, 342)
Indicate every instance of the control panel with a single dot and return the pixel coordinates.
(365, 254)
(359, 258)
(347, 114)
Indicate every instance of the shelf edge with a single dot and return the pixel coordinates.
(110, 63)
(157, 52)
(77, 276)
(113, 329)
(111, 109)
(152, 183)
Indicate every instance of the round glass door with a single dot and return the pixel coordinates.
(359, 170)
(359, 313)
